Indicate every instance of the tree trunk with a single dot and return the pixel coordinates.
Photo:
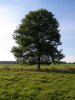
(38, 68)
(53, 61)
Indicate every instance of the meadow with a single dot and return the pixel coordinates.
(26, 83)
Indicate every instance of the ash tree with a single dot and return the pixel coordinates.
(37, 37)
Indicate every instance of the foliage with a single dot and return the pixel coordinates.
(38, 38)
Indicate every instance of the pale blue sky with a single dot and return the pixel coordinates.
(12, 11)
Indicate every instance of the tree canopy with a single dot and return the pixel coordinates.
(38, 38)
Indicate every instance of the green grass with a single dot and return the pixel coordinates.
(34, 85)
(18, 66)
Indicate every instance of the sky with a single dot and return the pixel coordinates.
(13, 11)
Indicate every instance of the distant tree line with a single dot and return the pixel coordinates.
(8, 62)
(43, 61)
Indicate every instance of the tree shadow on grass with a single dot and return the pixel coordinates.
(54, 70)
(64, 71)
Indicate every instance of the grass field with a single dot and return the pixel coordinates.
(33, 85)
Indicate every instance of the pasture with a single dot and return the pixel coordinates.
(51, 83)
